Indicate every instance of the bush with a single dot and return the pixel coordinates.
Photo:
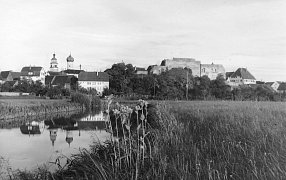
(82, 99)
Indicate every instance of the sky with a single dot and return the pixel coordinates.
(244, 33)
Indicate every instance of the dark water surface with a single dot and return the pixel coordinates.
(30, 143)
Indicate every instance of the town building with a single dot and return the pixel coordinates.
(282, 88)
(240, 77)
(54, 64)
(94, 80)
(70, 61)
(9, 76)
(33, 73)
(72, 72)
(274, 85)
(212, 70)
(198, 69)
(140, 71)
(64, 81)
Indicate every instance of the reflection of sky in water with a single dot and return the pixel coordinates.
(29, 151)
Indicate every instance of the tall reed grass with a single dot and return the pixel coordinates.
(188, 140)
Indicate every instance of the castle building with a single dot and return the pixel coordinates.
(54, 64)
(212, 70)
(198, 69)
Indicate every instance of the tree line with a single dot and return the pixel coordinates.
(174, 84)
(179, 84)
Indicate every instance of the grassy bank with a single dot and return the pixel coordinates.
(13, 108)
(194, 140)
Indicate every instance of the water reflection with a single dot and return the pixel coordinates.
(30, 142)
(30, 128)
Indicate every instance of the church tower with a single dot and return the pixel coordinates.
(54, 64)
(70, 61)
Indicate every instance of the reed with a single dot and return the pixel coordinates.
(187, 140)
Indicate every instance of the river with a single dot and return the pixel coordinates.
(34, 142)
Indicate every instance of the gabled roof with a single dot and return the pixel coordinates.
(31, 71)
(243, 73)
(48, 80)
(93, 76)
(5, 74)
(59, 80)
(15, 75)
(73, 71)
(228, 74)
(269, 83)
(282, 87)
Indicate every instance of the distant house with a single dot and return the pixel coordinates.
(34, 73)
(6, 76)
(9, 76)
(282, 88)
(241, 77)
(140, 71)
(274, 85)
(93, 80)
(63, 81)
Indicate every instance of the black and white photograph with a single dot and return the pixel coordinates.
(142, 89)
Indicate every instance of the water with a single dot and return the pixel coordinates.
(30, 143)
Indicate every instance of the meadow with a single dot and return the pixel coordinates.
(193, 140)
(23, 107)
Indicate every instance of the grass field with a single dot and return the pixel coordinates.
(196, 140)
(11, 108)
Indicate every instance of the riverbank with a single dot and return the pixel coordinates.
(14, 108)
(195, 140)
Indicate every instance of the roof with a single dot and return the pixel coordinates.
(5, 74)
(139, 69)
(93, 76)
(31, 71)
(228, 74)
(15, 75)
(70, 58)
(243, 73)
(73, 71)
(282, 87)
(60, 80)
(269, 83)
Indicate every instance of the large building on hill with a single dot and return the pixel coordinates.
(94, 80)
(240, 77)
(198, 69)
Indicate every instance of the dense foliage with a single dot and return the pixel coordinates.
(179, 84)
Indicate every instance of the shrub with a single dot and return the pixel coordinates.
(82, 99)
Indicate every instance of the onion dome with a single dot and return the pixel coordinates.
(69, 137)
(54, 57)
(70, 58)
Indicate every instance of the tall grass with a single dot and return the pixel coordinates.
(193, 140)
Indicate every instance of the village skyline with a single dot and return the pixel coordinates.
(245, 34)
